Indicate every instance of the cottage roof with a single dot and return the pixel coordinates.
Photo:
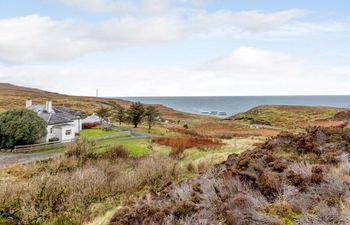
(56, 116)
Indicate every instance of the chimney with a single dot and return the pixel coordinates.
(28, 103)
(48, 106)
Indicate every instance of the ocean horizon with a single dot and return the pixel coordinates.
(231, 105)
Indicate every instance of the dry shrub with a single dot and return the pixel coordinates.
(283, 209)
(155, 170)
(64, 193)
(176, 153)
(190, 167)
(115, 152)
(203, 165)
(179, 144)
(270, 184)
(81, 148)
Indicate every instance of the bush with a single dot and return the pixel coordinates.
(20, 127)
(53, 139)
(177, 151)
(65, 195)
(190, 167)
(81, 149)
(115, 152)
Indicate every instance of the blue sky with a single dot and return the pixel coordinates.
(168, 47)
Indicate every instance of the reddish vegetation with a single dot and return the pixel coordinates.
(89, 125)
(303, 178)
(187, 142)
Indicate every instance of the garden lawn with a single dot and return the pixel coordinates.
(96, 132)
(136, 147)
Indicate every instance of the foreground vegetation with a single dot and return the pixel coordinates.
(291, 179)
(91, 178)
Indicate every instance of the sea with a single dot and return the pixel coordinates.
(229, 105)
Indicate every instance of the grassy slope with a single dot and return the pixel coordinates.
(285, 116)
(12, 96)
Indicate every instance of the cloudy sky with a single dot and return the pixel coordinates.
(177, 48)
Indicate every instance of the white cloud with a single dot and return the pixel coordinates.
(39, 39)
(97, 5)
(245, 71)
(251, 21)
(122, 7)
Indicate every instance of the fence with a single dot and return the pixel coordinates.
(57, 144)
(37, 147)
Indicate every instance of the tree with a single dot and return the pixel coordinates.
(20, 127)
(135, 113)
(103, 113)
(151, 114)
(119, 115)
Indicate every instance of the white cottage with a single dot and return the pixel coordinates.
(62, 123)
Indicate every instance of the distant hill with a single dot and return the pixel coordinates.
(291, 116)
(12, 96)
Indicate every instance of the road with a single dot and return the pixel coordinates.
(15, 158)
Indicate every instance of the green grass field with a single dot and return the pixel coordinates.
(96, 132)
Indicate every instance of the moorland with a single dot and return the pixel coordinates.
(270, 165)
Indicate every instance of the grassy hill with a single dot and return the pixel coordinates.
(12, 96)
(287, 116)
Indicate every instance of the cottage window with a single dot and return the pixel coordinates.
(51, 130)
(68, 132)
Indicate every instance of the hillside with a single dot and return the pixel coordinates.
(12, 96)
(291, 117)
(291, 179)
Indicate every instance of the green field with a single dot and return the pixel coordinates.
(96, 132)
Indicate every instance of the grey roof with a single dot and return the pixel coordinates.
(57, 116)
(91, 119)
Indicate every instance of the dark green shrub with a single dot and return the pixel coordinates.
(20, 127)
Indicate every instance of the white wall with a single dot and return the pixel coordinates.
(77, 125)
(60, 132)
(67, 137)
(49, 135)
(57, 133)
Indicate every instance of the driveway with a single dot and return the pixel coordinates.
(136, 134)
